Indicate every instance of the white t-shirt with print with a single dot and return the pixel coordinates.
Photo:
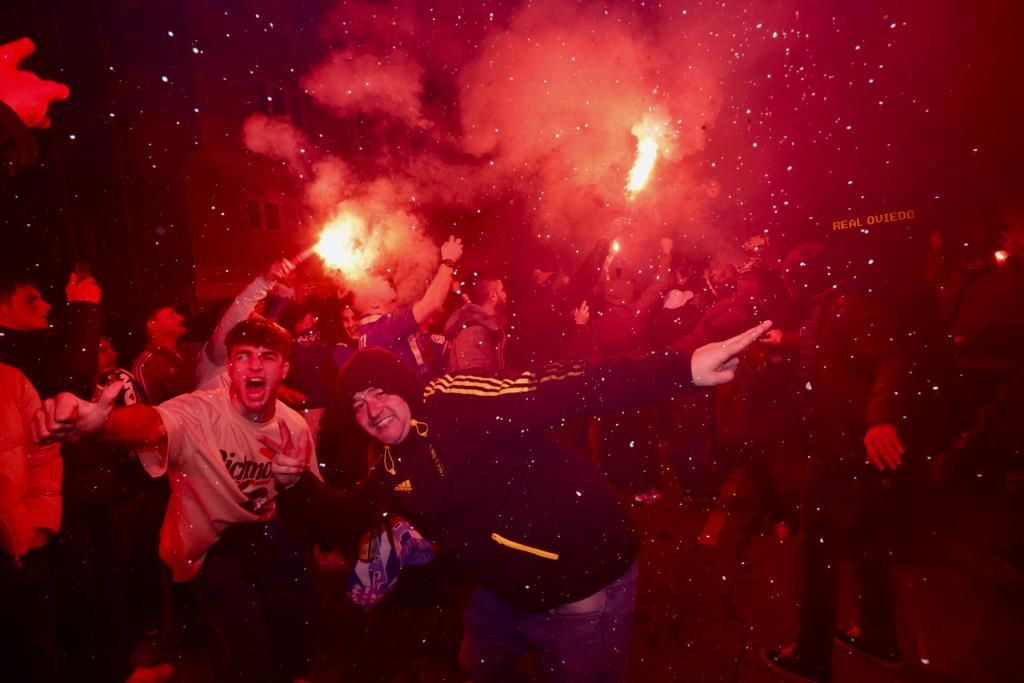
(220, 473)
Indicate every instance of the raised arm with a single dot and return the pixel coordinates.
(437, 290)
(242, 307)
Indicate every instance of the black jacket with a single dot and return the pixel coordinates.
(861, 375)
(536, 526)
(62, 358)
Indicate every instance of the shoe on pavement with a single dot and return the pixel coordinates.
(648, 497)
(886, 656)
(786, 663)
(159, 673)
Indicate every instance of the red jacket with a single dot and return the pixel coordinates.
(30, 474)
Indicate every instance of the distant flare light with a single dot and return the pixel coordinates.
(649, 133)
(1001, 256)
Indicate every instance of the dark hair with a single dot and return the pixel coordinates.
(294, 312)
(259, 332)
(481, 289)
(9, 282)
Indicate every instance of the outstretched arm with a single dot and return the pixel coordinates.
(534, 400)
(437, 290)
(67, 417)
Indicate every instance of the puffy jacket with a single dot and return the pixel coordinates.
(30, 474)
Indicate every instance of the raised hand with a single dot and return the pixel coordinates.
(279, 270)
(581, 315)
(715, 363)
(884, 448)
(290, 458)
(65, 416)
(452, 249)
(83, 290)
(24, 92)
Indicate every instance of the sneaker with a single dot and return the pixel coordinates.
(648, 497)
(786, 663)
(159, 673)
(886, 656)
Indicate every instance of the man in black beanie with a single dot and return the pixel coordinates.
(541, 531)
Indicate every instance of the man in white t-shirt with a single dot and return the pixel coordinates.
(221, 531)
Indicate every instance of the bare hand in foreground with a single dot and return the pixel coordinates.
(715, 363)
(65, 416)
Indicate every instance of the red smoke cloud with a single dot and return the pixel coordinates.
(349, 83)
(538, 103)
(277, 138)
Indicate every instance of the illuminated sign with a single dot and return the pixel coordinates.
(874, 219)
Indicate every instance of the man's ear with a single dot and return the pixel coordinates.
(285, 367)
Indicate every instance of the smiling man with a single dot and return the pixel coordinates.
(466, 459)
(221, 532)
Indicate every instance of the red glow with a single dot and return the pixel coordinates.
(1001, 256)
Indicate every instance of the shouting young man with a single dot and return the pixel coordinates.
(221, 532)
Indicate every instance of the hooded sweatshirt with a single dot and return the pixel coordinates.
(476, 340)
(536, 526)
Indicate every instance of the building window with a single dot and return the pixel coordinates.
(291, 217)
(253, 217)
(272, 216)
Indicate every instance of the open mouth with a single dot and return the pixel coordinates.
(255, 386)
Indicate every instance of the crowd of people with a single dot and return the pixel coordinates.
(506, 432)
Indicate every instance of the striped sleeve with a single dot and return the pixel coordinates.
(491, 406)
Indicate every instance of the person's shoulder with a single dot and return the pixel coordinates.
(11, 375)
(14, 383)
(289, 415)
(201, 398)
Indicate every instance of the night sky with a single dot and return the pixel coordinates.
(510, 123)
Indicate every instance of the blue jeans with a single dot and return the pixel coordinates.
(586, 641)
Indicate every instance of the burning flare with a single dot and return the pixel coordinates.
(648, 132)
(342, 246)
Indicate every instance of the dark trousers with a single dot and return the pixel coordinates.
(94, 630)
(844, 511)
(256, 594)
(28, 626)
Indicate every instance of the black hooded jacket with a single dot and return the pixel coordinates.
(536, 526)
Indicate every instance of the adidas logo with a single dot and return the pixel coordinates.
(405, 486)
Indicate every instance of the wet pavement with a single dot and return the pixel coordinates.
(714, 591)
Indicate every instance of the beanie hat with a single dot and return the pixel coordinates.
(382, 370)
